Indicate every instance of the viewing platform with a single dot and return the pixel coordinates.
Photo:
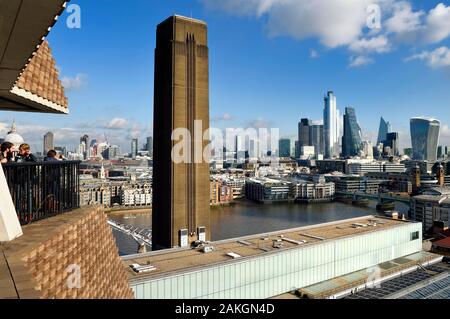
(43, 189)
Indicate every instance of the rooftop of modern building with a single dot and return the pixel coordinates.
(267, 181)
(439, 191)
(401, 269)
(179, 260)
(436, 199)
(427, 282)
(425, 119)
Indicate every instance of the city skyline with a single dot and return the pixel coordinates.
(208, 204)
(295, 79)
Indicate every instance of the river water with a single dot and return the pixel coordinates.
(248, 218)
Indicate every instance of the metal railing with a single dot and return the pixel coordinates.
(44, 189)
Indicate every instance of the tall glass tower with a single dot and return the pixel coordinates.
(303, 134)
(385, 128)
(351, 141)
(284, 147)
(425, 138)
(316, 139)
(331, 126)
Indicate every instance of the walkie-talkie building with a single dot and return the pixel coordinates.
(425, 138)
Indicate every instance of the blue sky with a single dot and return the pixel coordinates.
(271, 62)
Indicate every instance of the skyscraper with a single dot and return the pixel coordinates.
(253, 148)
(134, 147)
(149, 146)
(240, 148)
(316, 139)
(84, 146)
(351, 141)
(384, 129)
(367, 149)
(303, 134)
(48, 142)
(440, 153)
(284, 147)
(392, 142)
(425, 138)
(181, 190)
(331, 126)
(113, 152)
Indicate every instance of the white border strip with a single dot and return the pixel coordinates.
(37, 99)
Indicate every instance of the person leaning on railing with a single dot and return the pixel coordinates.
(6, 152)
(25, 155)
(51, 156)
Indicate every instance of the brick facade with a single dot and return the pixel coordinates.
(45, 261)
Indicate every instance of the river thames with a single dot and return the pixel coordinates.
(248, 218)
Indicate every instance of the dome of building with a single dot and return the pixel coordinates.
(13, 137)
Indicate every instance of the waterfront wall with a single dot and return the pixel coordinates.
(280, 272)
(72, 255)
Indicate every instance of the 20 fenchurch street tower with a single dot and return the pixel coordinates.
(425, 138)
(181, 190)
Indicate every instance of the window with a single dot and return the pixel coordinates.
(415, 235)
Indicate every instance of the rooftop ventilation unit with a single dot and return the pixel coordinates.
(245, 243)
(296, 242)
(234, 256)
(277, 243)
(142, 269)
(357, 225)
(208, 249)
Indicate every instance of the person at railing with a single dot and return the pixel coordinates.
(51, 156)
(6, 152)
(25, 155)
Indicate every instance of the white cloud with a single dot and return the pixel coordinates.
(70, 136)
(344, 23)
(445, 131)
(438, 24)
(379, 44)
(404, 22)
(135, 132)
(360, 60)
(74, 83)
(117, 124)
(334, 23)
(445, 135)
(259, 123)
(439, 58)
